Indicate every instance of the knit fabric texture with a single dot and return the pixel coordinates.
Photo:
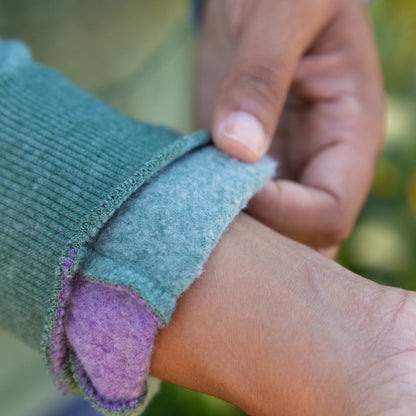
(67, 163)
(158, 240)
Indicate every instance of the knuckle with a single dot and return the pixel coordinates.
(263, 81)
(339, 228)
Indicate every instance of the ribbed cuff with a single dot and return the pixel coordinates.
(67, 162)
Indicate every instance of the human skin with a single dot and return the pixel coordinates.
(300, 80)
(275, 328)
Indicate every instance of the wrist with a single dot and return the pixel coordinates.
(272, 327)
(232, 334)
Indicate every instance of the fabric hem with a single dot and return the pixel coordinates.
(53, 346)
(96, 399)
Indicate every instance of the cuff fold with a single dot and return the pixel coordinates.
(67, 162)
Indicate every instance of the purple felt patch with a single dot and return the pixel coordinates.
(111, 332)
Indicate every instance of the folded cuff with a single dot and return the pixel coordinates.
(67, 162)
(149, 253)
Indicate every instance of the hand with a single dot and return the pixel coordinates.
(277, 329)
(300, 80)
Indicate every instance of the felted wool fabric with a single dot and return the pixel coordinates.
(112, 335)
(68, 162)
(161, 236)
(159, 239)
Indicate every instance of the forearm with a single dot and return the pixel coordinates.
(266, 324)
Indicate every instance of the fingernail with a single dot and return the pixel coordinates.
(246, 130)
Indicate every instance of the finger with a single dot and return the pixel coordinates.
(252, 94)
(329, 252)
(320, 210)
(299, 212)
(214, 50)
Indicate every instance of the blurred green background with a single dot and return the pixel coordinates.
(383, 244)
(138, 56)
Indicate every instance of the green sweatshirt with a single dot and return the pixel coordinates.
(68, 162)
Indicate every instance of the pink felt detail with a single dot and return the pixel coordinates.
(111, 332)
(58, 345)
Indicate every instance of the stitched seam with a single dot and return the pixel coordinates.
(58, 342)
(131, 262)
(58, 345)
(89, 390)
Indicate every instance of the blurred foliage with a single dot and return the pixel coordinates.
(177, 401)
(394, 23)
(383, 244)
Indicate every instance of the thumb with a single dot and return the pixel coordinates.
(312, 216)
(252, 94)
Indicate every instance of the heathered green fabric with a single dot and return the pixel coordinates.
(67, 162)
(159, 239)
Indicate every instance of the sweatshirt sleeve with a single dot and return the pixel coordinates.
(157, 242)
(69, 164)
